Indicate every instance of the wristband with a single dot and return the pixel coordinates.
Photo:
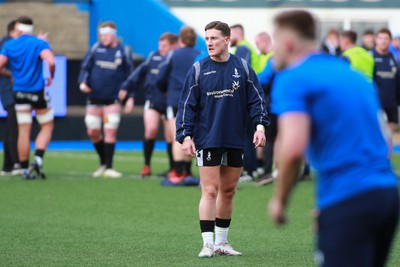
(261, 128)
(187, 138)
(82, 86)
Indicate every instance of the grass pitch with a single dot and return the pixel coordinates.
(72, 219)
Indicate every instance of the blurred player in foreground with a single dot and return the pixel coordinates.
(357, 194)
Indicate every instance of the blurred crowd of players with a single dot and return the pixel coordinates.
(108, 78)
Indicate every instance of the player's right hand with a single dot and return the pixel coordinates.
(85, 88)
(122, 94)
(188, 147)
(276, 210)
(49, 81)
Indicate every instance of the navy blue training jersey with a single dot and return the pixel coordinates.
(213, 108)
(387, 79)
(6, 89)
(148, 71)
(104, 69)
(173, 72)
(347, 146)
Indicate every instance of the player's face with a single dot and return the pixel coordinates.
(107, 39)
(343, 43)
(235, 32)
(382, 41)
(368, 41)
(283, 40)
(164, 46)
(396, 43)
(217, 44)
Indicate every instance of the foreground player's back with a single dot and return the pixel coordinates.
(347, 128)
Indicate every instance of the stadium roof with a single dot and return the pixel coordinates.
(284, 3)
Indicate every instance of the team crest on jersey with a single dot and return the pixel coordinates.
(236, 75)
(118, 58)
(235, 85)
(208, 156)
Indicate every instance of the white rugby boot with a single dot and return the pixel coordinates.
(100, 171)
(111, 173)
(207, 251)
(224, 248)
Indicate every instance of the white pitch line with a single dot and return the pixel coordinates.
(77, 155)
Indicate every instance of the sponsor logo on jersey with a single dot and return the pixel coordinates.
(235, 85)
(209, 72)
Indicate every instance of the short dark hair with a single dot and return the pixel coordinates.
(188, 36)
(170, 37)
(368, 32)
(300, 21)
(386, 31)
(25, 20)
(351, 35)
(11, 25)
(220, 26)
(240, 26)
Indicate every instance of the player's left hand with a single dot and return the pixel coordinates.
(43, 35)
(129, 105)
(122, 94)
(276, 210)
(259, 139)
(49, 81)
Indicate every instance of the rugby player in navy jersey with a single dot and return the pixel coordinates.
(172, 73)
(340, 123)
(11, 164)
(155, 105)
(105, 67)
(218, 94)
(387, 76)
(25, 55)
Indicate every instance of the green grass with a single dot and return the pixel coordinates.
(72, 219)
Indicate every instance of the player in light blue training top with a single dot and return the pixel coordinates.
(333, 110)
(25, 56)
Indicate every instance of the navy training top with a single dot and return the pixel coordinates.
(213, 108)
(173, 70)
(6, 89)
(104, 69)
(387, 79)
(148, 71)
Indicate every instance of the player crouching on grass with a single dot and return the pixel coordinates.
(218, 92)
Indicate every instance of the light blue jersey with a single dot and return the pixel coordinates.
(23, 54)
(347, 145)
